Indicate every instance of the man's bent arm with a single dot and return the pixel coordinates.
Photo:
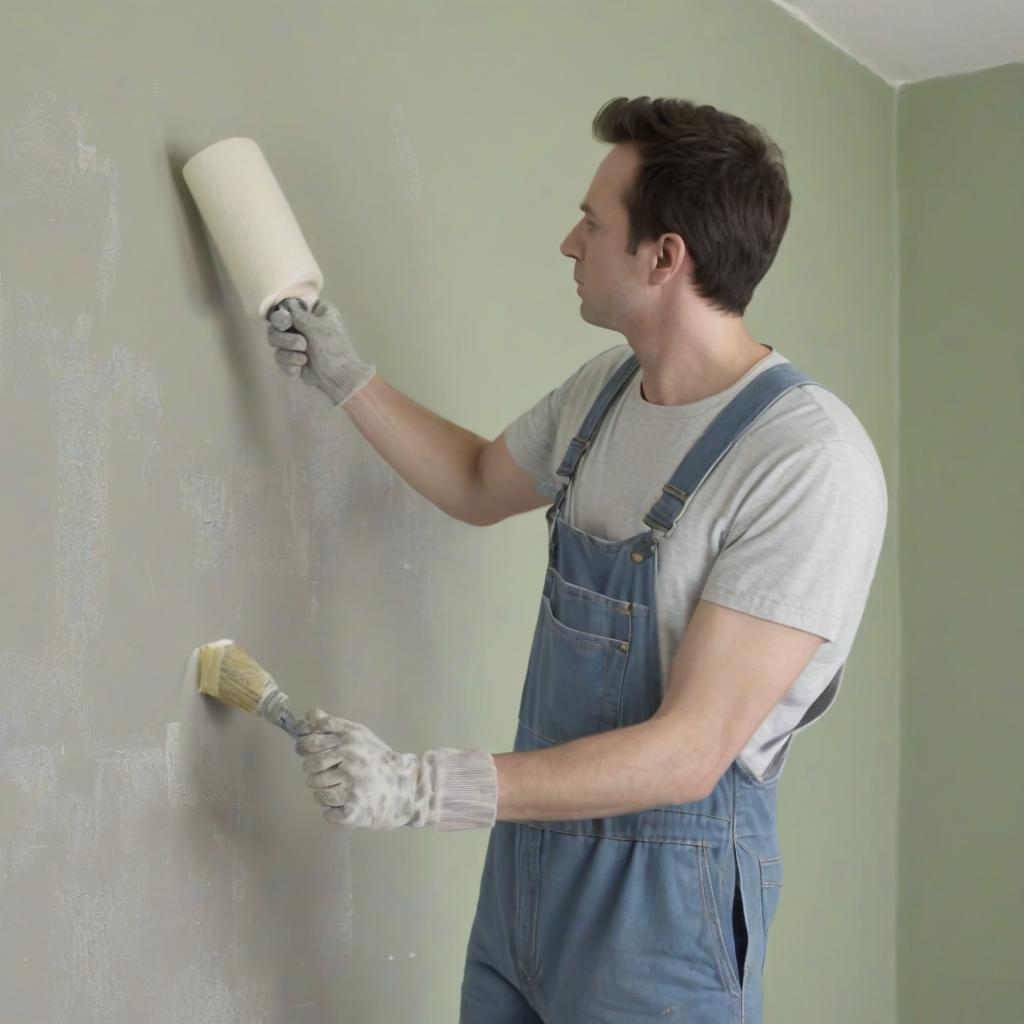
(436, 457)
(615, 772)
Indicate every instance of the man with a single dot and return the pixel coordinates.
(633, 867)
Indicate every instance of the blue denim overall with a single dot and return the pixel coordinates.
(656, 915)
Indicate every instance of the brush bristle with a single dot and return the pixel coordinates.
(232, 676)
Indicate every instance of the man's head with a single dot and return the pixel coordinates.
(690, 203)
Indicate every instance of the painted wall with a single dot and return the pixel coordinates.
(161, 859)
(961, 149)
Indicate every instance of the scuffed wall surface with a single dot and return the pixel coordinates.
(162, 859)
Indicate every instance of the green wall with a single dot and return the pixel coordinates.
(961, 150)
(168, 486)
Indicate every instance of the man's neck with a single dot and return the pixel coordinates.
(690, 376)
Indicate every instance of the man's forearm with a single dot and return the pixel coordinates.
(608, 773)
(436, 457)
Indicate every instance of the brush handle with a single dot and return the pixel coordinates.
(287, 721)
(272, 707)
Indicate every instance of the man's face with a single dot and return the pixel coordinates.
(610, 277)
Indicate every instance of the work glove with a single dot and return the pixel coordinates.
(361, 781)
(316, 343)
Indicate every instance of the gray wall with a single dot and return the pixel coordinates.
(161, 859)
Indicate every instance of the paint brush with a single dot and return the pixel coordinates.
(231, 675)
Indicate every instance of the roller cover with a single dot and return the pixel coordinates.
(252, 226)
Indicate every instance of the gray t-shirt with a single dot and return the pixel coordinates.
(788, 525)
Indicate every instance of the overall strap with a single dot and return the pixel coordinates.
(723, 432)
(579, 444)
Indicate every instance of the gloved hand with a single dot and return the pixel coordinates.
(362, 782)
(318, 343)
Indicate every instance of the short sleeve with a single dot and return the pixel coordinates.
(804, 543)
(530, 441)
(532, 438)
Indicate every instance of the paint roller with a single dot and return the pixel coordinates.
(232, 676)
(253, 227)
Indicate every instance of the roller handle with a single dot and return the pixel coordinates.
(292, 371)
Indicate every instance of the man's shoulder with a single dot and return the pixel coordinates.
(808, 421)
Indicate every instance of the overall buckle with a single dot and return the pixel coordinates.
(676, 493)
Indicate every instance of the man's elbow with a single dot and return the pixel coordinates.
(700, 782)
(688, 790)
(695, 791)
(684, 766)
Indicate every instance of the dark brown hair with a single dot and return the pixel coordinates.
(714, 179)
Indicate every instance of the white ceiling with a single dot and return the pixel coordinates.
(908, 40)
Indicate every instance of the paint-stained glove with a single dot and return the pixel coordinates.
(317, 342)
(362, 782)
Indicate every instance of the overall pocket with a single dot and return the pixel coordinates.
(577, 661)
(718, 910)
(574, 677)
(588, 611)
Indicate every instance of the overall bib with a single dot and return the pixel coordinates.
(656, 915)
